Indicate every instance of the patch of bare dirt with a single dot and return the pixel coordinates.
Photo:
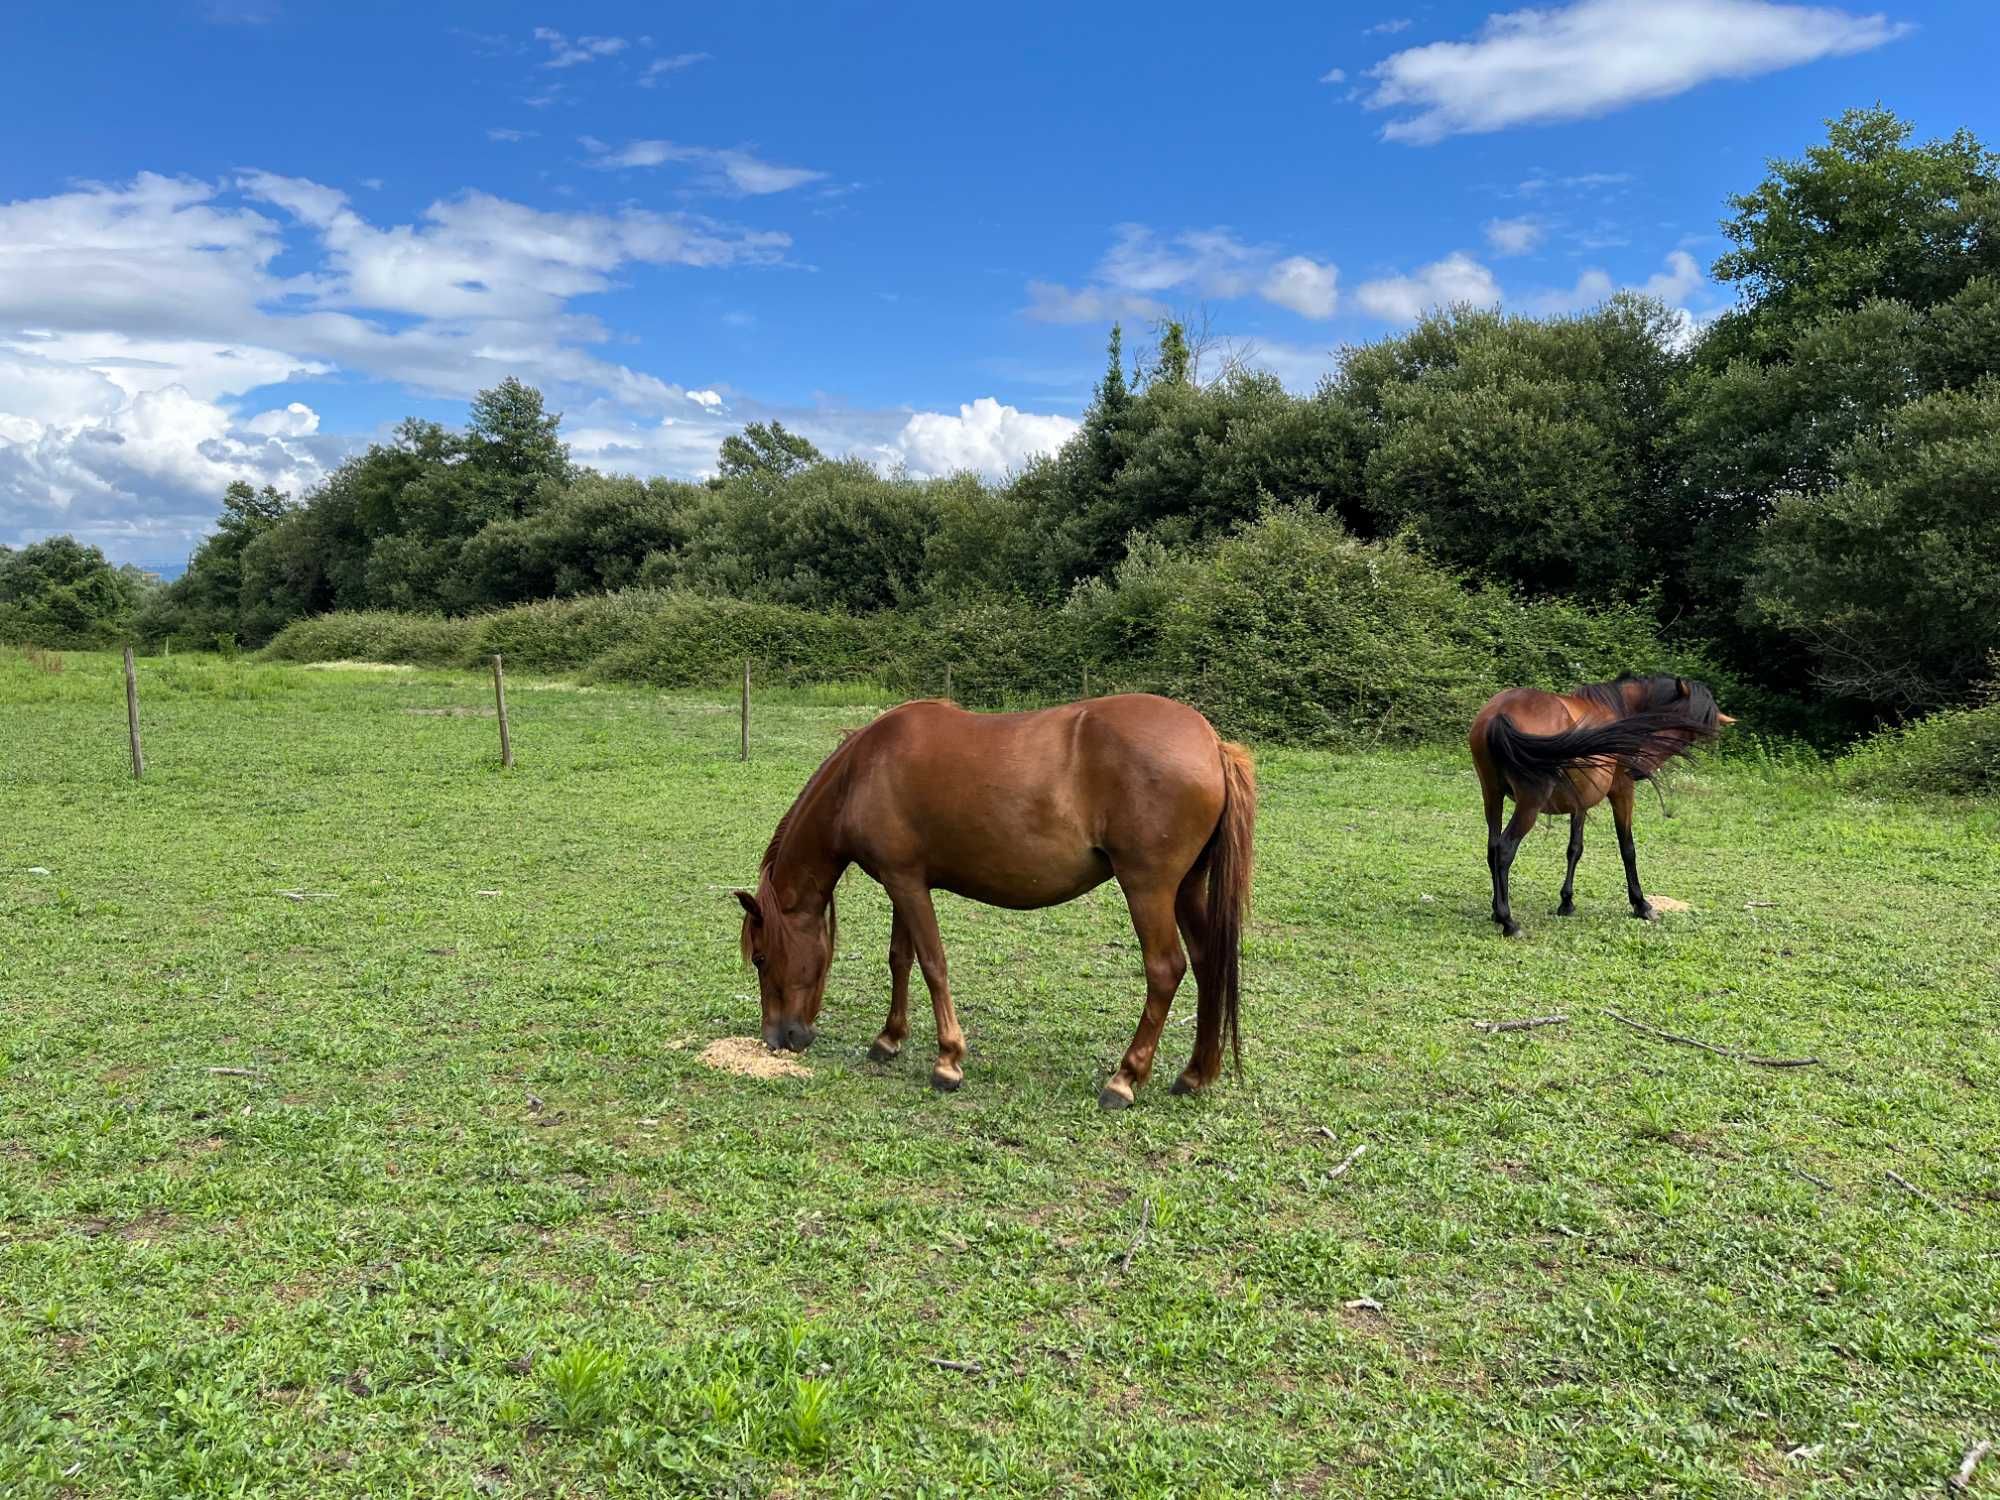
(1668, 903)
(748, 1057)
(452, 711)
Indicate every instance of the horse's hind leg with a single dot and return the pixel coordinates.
(901, 951)
(1621, 814)
(1501, 847)
(918, 918)
(1191, 910)
(1568, 907)
(1160, 942)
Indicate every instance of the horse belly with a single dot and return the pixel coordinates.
(1026, 876)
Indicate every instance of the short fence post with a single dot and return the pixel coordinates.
(743, 750)
(947, 679)
(1086, 680)
(500, 707)
(132, 715)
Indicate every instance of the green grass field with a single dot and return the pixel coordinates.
(475, 1220)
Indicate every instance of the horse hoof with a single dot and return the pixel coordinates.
(946, 1083)
(881, 1054)
(1110, 1099)
(1645, 913)
(1567, 909)
(1182, 1086)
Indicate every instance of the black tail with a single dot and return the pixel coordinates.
(1639, 743)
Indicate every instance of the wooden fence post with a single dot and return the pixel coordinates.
(1086, 680)
(947, 679)
(500, 707)
(132, 715)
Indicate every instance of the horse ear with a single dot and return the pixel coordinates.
(1681, 683)
(750, 905)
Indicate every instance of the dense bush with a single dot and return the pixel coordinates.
(1290, 631)
(61, 593)
(1955, 753)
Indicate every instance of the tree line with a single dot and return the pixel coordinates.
(1801, 495)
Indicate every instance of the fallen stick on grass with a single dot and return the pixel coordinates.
(1912, 1189)
(1962, 1480)
(1145, 1218)
(1352, 1157)
(234, 1072)
(1728, 1052)
(1818, 1182)
(963, 1366)
(1528, 1023)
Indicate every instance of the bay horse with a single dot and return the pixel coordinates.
(1567, 752)
(1020, 810)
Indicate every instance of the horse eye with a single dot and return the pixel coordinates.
(757, 960)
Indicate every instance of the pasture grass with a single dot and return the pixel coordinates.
(473, 1220)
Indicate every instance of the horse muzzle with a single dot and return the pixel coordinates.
(789, 1036)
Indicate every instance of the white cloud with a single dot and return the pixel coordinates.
(135, 319)
(1681, 286)
(564, 53)
(1590, 57)
(660, 67)
(1456, 278)
(1307, 287)
(707, 400)
(1334, 75)
(1675, 284)
(986, 437)
(1142, 265)
(294, 419)
(1388, 28)
(498, 134)
(1052, 302)
(1513, 236)
(733, 170)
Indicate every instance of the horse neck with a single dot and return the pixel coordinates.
(807, 857)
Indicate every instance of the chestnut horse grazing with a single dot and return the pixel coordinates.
(1018, 810)
(1567, 752)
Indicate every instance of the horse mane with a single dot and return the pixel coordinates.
(814, 781)
(818, 780)
(1660, 694)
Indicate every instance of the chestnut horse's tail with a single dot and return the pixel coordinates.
(1639, 743)
(1231, 852)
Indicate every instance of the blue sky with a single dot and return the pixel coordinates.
(239, 238)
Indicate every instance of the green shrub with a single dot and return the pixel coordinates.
(1291, 630)
(377, 635)
(1955, 753)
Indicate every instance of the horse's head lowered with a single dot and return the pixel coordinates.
(792, 952)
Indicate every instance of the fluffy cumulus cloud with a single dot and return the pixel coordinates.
(1307, 287)
(1456, 278)
(1589, 57)
(985, 436)
(138, 320)
(1143, 268)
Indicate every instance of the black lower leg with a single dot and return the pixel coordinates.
(1634, 892)
(1569, 878)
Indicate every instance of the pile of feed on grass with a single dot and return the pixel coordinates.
(1668, 903)
(748, 1057)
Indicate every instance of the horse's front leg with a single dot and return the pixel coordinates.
(901, 951)
(918, 918)
(1160, 942)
